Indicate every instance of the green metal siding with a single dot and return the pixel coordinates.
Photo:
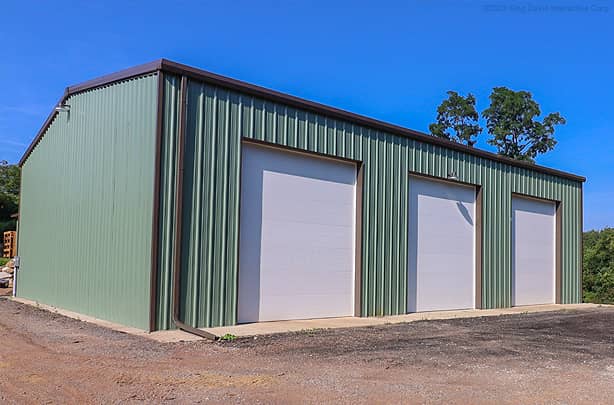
(217, 119)
(86, 205)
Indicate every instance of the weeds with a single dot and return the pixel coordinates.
(311, 332)
(229, 337)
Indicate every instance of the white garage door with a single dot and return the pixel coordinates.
(441, 268)
(533, 247)
(297, 236)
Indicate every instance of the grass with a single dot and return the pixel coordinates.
(229, 337)
(3, 261)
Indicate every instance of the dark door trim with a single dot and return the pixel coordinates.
(358, 208)
(558, 243)
(478, 231)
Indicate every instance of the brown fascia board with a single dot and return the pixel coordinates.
(272, 95)
(88, 85)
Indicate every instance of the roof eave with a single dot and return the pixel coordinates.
(88, 85)
(272, 95)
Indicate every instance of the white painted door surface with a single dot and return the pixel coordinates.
(297, 232)
(441, 255)
(533, 251)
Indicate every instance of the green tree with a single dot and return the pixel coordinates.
(457, 119)
(9, 195)
(598, 266)
(511, 121)
(9, 180)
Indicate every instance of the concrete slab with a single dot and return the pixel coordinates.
(267, 328)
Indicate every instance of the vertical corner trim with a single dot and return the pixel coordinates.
(178, 201)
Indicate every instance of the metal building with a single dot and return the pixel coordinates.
(260, 206)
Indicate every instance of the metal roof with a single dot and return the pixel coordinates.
(208, 77)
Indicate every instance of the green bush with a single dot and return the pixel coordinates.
(3, 261)
(598, 266)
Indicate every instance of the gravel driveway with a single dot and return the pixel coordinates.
(554, 357)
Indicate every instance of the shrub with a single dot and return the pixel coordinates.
(598, 266)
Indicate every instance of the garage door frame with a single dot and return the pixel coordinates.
(478, 259)
(558, 242)
(358, 212)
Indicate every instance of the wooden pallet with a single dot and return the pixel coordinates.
(10, 244)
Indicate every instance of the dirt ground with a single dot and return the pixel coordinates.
(554, 357)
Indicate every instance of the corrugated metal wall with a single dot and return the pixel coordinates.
(218, 119)
(86, 205)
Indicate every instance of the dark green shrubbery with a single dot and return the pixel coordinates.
(598, 266)
(9, 196)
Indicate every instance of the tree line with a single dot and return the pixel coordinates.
(598, 265)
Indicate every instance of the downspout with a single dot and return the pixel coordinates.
(179, 219)
(155, 218)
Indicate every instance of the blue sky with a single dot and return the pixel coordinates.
(389, 60)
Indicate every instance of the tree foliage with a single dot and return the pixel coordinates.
(511, 121)
(457, 119)
(9, 180)
(598, 266)
(9, 195)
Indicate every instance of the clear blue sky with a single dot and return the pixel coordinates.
(389, 60)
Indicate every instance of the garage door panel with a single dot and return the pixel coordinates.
(278, 307)
(314, 283)
(308, 258)
(307, 200)
(291, 232)
(297, 257)
(533, 247)
(441, 246)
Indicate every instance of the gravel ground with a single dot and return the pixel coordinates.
(554, 357)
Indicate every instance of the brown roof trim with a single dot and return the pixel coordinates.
(174, 67)
(212, 78)
(88, 85)
(41, 131)
(116, 77)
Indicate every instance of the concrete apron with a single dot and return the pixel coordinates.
(267, 328)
